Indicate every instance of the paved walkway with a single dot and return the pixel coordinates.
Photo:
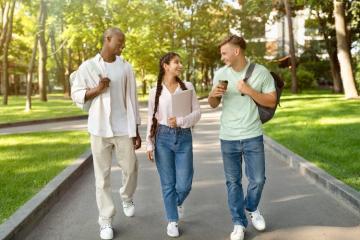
(294, 207)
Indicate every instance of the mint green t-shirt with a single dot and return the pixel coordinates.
(240, 117)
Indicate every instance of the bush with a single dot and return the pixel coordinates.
(320, 70)
(305, 78)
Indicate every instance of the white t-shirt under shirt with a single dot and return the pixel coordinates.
(118, 118)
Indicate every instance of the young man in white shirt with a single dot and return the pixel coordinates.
(109, 83)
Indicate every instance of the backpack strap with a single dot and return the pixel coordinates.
(248, 73)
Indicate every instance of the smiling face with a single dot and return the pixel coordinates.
(230, 53)
(174, 67)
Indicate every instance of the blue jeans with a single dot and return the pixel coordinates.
(252, 150)
(174, 161)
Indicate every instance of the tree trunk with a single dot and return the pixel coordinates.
(29, 76)
(294, 84)
(330, 45)
(143, 80)
(335, 72)
(5, 62)
(343, 50)
(42, 53)
(68, 72)
(59, 60)
(4, 24)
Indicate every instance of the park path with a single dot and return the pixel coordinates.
(294, 207)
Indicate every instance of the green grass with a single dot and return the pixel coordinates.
(56, 106)
(29, 161)
(323, 128)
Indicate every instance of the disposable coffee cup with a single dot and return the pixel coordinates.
(224, 83)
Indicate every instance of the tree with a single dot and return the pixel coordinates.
(5, 43)
(43, 81)
(294, 84)
(29, 75)
(344, 55)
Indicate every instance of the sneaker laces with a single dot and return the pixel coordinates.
(237, 228)
(102, 227)
(255, 215)
(175, 224)
(128, 204)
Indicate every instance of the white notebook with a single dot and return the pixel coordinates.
(181, 103)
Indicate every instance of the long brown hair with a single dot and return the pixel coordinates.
(164, 59)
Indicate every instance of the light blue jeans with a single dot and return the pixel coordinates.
(174, 161)
(252, 151)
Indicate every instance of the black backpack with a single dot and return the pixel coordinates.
(267, 113)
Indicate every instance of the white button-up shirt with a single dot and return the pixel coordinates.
(100, 113)
(165, 111)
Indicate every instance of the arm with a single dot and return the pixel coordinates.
(80, 89)
(215, 96)
(134, 102)
(149, 140)
(264, 99)
(92, 93)
(267, 96)
(217, 91)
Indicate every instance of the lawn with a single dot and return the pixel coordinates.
(323, 128)
(29, 161)
(56, 106)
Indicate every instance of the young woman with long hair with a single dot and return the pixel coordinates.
(171, 139)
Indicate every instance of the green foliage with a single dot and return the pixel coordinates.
(306, 79)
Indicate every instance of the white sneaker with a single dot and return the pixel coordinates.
(172, 229)
(181, 211)
(106, 232)
(238, 233)
(257, 220)
(129, 208)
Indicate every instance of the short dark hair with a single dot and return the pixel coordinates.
(110, 32)
(235, 40)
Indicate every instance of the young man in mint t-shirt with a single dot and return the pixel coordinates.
(241, 134)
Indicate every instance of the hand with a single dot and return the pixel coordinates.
(172, 122)
(218, 91)
(103, 84)
(149, 155)
(137, 141)
(244, 88)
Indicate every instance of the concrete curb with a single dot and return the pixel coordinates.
(39, 121)
(335, 187)
(26, 217)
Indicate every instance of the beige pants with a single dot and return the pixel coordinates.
(102, 149)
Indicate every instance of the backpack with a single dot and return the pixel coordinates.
(267, 113)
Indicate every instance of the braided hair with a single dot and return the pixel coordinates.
(164, 59)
